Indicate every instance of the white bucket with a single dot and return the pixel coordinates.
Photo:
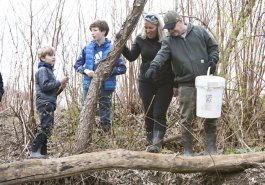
(209, 96)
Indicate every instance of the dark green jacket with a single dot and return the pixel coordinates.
(189, 56)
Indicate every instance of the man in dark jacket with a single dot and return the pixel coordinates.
(191, 50)
(1, 87)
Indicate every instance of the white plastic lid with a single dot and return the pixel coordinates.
(209, 81)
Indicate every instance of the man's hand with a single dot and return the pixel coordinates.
(212, 66)
(151, 71)
(89, 73)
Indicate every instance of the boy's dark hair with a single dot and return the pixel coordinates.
(102, 25)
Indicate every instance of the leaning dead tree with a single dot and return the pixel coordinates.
(43, 169)
(87, 116)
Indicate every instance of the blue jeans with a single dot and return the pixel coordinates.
(105, 106)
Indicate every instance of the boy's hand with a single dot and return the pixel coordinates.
(64, 81)
(89, 73)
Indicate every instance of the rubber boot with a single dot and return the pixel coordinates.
(43, 149)
(149, 137)
(149, 127)
(187, 140)
(156, 142)
(37, 145)
(37, 155)
(210, 144)
(210, 138)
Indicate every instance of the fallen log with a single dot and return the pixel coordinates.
(43, 169)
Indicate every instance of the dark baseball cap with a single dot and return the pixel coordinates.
(170, 19)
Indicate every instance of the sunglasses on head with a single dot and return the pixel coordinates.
(151, 17)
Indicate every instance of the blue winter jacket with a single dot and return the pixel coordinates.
(89, 60)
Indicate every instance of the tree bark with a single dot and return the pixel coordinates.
(41, 169)
(87, 116)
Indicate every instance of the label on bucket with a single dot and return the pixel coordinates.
(208, 102)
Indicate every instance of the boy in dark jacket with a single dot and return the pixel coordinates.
(47, 90)
(1, 87)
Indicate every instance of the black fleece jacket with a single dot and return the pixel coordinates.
(148, 49)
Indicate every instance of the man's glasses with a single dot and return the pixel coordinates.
(151, 17)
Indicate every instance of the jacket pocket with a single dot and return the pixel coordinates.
(200, 66)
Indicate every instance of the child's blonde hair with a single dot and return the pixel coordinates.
(47, 50)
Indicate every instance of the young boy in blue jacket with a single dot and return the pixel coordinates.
(47, 90)
(87, 63)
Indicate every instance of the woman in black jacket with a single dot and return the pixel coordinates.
(155, 94)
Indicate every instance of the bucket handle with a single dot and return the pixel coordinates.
(208, 71)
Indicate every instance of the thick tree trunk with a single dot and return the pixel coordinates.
(41, 169)
(87, 116)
